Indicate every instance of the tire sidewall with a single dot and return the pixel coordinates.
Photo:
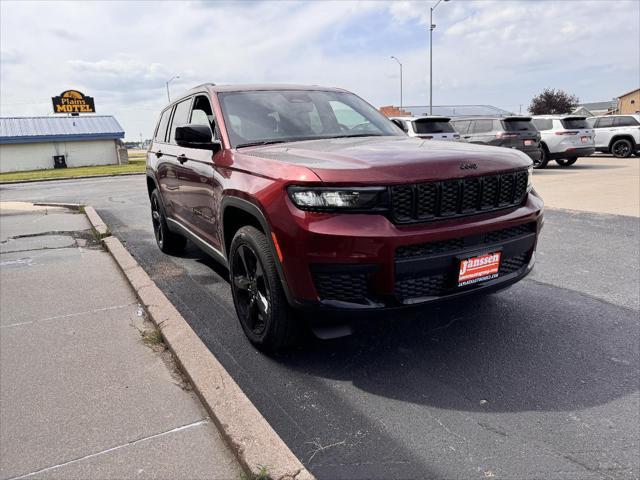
(257, 242)
(544, 158)
(155, 196)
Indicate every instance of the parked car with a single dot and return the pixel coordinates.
(565, 138)
(316, 201)
(617, 134)
(428, 128)
(509, 132)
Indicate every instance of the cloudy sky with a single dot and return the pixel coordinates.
(497, 52)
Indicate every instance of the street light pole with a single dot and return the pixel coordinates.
(400, 79)
(167, 84)
(431, 28)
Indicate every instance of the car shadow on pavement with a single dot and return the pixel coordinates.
(520, 350)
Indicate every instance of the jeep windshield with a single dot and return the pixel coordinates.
(266, 117)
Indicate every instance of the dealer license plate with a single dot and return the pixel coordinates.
(528, 142)
(478, 269)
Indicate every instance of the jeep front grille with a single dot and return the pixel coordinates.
(450, 198)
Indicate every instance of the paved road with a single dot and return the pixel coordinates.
(538, 381)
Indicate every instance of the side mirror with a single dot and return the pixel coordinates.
(400, 124)
(195, 135)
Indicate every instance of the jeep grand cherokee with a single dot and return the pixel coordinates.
(312, 198)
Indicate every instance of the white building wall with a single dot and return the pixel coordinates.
(15, 157)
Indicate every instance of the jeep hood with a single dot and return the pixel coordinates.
(391, 159)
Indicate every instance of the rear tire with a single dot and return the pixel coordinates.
(622, 148)
(544, 158)
(167, 241)
(261, 305)
(566, 162)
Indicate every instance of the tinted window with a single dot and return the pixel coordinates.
(292, 115)
(161, 133)
(605, 122)
(518, 125)
(180, 117)
(625, 122)
(430, 126)
(575, 123)
(482, 126)
(543, 123)
(461, 126)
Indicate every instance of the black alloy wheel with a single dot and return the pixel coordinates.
(265, 316)
(252, 290)
(622, 148)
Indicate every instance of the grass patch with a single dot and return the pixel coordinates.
(135, 165)
(263, 474)
(152, 337)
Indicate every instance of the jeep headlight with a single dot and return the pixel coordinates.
(529, 178)
(339, 198)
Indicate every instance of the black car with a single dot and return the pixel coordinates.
(510, 132)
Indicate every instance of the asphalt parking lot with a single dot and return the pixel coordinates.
(538, 381)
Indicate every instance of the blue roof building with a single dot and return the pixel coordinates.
(35, 143)
(59, 129)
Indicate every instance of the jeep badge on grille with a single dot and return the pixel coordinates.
(468, 166)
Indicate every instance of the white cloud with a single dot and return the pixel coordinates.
(499, 52)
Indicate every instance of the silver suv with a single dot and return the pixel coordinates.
(429, 128)
(617, 134)
(565, 138)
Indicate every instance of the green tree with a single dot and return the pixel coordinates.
(552, 101)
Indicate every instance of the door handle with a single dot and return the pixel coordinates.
(159, 153)
(182, 158)
(467, 136)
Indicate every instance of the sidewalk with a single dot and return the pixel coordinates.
(81, 394)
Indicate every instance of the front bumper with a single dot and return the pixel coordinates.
(362, 262)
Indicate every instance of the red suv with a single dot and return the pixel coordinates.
(312, 198)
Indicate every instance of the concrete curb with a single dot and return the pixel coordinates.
(246, 431)
(70, 206)
(17, 182)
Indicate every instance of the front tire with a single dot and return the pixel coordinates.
(566, 162)
(167, 241)
(544, 158)
(265, 316)
(622, 148)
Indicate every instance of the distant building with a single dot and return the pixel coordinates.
(629, 102)
(31, 143)
(392, 111)
(444, 110)
(593, 109)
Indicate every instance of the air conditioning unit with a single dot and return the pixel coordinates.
(59, 161)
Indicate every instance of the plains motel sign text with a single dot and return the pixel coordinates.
(73, 101)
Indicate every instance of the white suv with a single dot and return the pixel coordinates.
(617, 134)
(565, 138)
(429, 128)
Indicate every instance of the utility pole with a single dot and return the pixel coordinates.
(431, 29)
(400, 79)
(171, 80)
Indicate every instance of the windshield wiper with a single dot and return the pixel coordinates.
(359, 135)
(261, 142)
